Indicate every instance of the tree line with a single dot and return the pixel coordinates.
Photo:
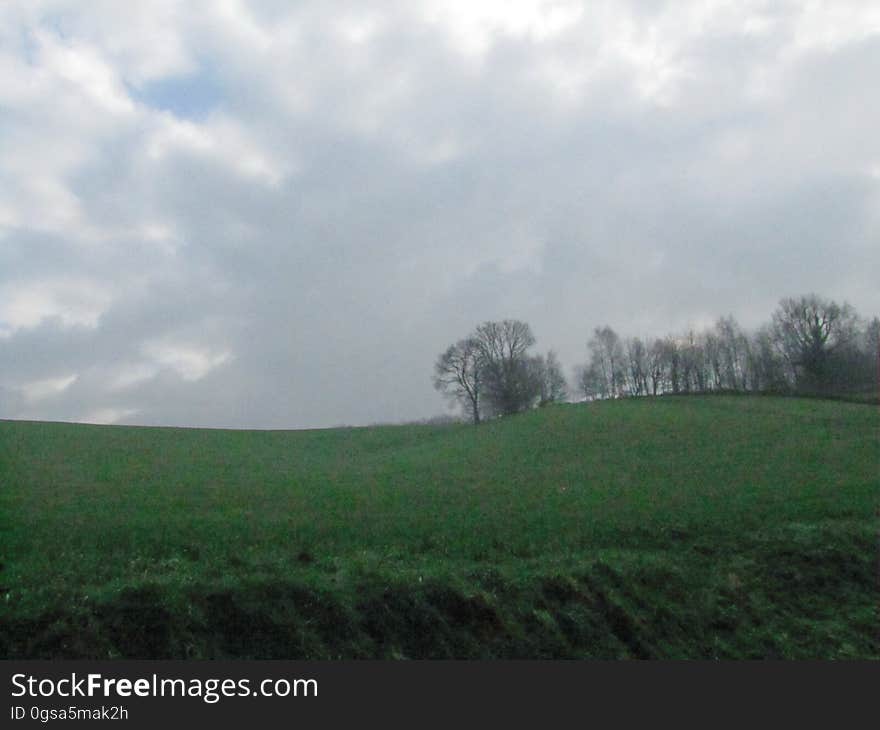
(810, 346)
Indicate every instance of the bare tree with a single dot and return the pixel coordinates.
(657, 366)
(767, 368)
(607, 360)
(672, 355)
(692, 360)
(590, 382)
(551, 380)
(871, 344)
(854, 367)
(457, 374)
(871, 349)
(637, 366)
(871, 338)
(509, 383)
(713, 362)
(733, 353)
(809, 330)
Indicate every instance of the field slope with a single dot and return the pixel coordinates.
(671, 527)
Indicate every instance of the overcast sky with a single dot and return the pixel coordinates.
(277, 214)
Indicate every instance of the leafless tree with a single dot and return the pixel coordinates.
(809, 330)
(637, 366)
(673, 358)
(457, 374)
(591, 382)
(766, 365)
(871, 348)
(607, 360)
(733, 353)
(713, 360)
(692, 360)
(509, 383)
(657, 366)
(551, 380)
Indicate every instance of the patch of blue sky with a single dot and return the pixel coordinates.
(193, 96)
(27, 47)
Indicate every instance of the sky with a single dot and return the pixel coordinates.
(276, 214)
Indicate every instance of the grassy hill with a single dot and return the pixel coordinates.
(670, 527)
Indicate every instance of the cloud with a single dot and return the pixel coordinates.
(108, 415)
(189, 362)
(71, 301)
(40, 389)
(275, 215)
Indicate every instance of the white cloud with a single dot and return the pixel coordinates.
(827, 26)
(133, 374)
(476, 27)
(86, 70)
(190, 362)
(107, 416)
(41, 389)
(221, 140)
(73, 302)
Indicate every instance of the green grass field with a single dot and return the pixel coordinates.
(672, 527)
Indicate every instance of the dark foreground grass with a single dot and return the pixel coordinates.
(675, 527)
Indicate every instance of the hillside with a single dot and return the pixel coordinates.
(670, 527)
